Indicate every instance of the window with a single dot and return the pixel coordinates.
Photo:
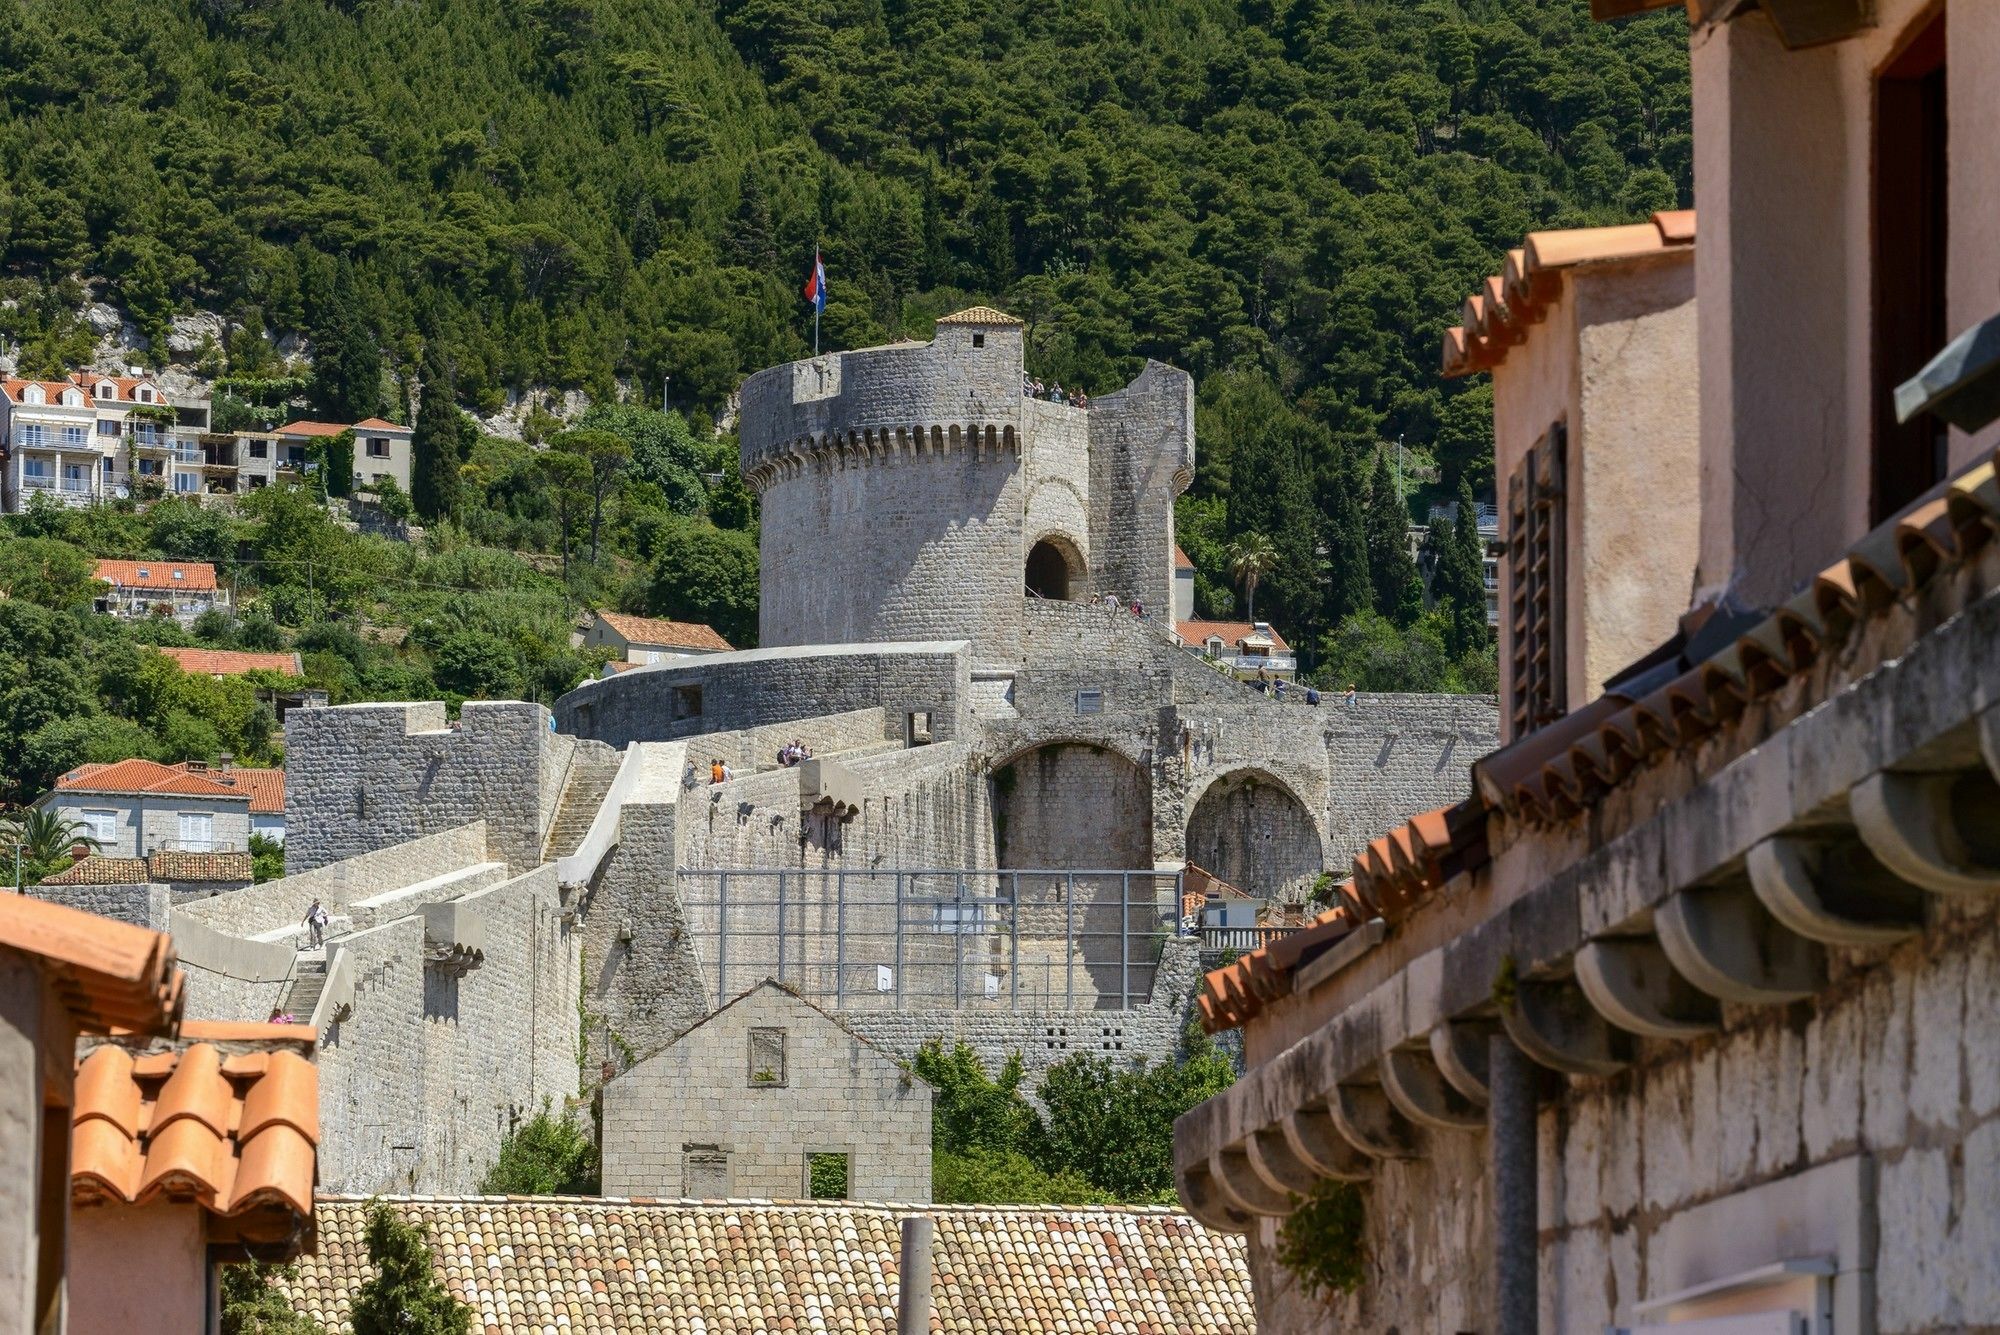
(704, 1172)
(260, 449)
(109, 464)
(1910, 233)
(35, 437)
(186, 483)
(1535, 555)
(34, 394)
(37, 468)
(378, 447)
(107, 426)
(295, 456)
(1213, 644)
(72, 399)
(144, 395)
(73, 436)
(106, 390)
(827, 1171)
(1090, 702)
(917, 727)
(767, 1058)
(687, 702)
(101, 826)
(197, 831)
(256, 482)
(979, 340)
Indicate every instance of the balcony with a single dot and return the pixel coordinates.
(150, 441)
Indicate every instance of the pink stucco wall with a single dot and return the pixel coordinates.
(135, 1269)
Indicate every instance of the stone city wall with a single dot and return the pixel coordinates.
(363, 777)
(141, 905)
(1862, 1124)
(758, 687)
(1141, 458)
(282, 904)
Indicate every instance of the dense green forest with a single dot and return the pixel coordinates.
(1287, 199)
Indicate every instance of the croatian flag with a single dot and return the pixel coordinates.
(816, 285)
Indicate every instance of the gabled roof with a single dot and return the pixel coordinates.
(1198, 633)
(1181, 561)
(96, 869)
(88, 381)
(1497, 316)
(227, 1118)
(979, 315)
(230, 662)
(306, 428)
(790, 994)
(166, 865)
(51, 388)
(106, 973)
(607, 1265)
(649, 631)
(378, 424)
(148, 777)
(179, 576)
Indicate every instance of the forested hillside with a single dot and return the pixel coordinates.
(1289, 200)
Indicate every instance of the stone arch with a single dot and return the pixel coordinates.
(1055, 569)
(1071, 803)
(1249, 827)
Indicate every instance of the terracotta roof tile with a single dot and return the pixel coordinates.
(193, 576)
(668, 634)
(309, 428)
(234, 1131)
(172, 864)
(108, 974)
(1232, 633)
(1181, 561)
(51, 388)
(1497, 316)
(96, 869)
(378, 424)
(230, 662)
(979, 315)
(612, 1265)
(148, 776)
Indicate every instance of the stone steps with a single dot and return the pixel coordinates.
(591, 775)
(302, 994)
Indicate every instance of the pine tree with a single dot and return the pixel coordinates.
(1349, 589)
(404, 1297)
(1392, 574)
(346, 383)
(436, 442)
(750, 246)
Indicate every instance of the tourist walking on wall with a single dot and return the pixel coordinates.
(316, 921)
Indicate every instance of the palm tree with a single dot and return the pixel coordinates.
(1251, 557)
(44, 838)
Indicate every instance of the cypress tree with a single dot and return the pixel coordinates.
(1348, 587)
(404, 1296)
(1392, 574)
(436, 442)
(1463, 572)
(346, 383)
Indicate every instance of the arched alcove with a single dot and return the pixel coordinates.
(1054, 570)
(1251, 831)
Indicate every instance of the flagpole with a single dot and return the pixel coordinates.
(815, 329)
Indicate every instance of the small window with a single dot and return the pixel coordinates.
(33, 394)
(378, 447)
(101, 826)
(827, 1171)
(260, 449)
(767, 1059)
(106, 390)
(145, 573)
(687, 701)
(979, 340)
(1090, 702)
(180, 574)
(917, 727)
(107, 427)
(1537, 552)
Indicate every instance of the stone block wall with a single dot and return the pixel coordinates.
(141, 905)
(760, 687)
(1141, 458)
(1898, 1062)
(711, 1093)
(1073, 805)
(363, 777)
(283, 903)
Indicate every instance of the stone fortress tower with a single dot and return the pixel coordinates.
(911, 492)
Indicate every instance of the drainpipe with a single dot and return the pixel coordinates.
(913, 1287)
(1510, 1121)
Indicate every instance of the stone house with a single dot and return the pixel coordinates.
(637, 640)
(283, 698)
(743, 1103)
(137, 807)
(185, 589)
(1681, 1019)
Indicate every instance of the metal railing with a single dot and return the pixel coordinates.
(1000, 938)
(1242, 940)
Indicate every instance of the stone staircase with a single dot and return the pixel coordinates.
(308, 980)
(591, 772)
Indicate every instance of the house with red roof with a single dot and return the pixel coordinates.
(133, 808)
(220, 663)
(381, 448)
(91, 437)
(1246, 648)
(636, 641)
(142, 588)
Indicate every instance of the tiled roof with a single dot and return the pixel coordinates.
(106, 973)
(194, 576)
(228, 1118)
(1197, 633)
(531, 1265)
(149, 776)
(1686, 691)
(1497, 316)
(125, 384)
(1181, 561)
(52, 388)
(666, 634)
(1238, 990)
(979, 315)
(305, 428)
(97, 870)
(377, 424)
(230, 662)
(173, 864)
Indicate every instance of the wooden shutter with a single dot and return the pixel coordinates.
(1536, 539)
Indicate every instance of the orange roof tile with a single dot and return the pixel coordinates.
(1196, 633)
(149, 776)
(307, 428)
(108, 974)
(604, 1266)
(96, 869)
(228, 1118)
(184, 576)
(1181, 561)
(174, 865)
(1497, 316)
(667, 634)
(230, 662)
(377, 424)
(124, 384)
(52, 388)
(979, 315)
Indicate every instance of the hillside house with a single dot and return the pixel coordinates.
(381, 449)
(639, 640)
(220, 663)
(97, 437)
(181, 589)
(1246, 648)
(136, 807)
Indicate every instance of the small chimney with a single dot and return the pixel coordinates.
(228, 759)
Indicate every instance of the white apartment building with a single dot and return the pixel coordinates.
(97, 437)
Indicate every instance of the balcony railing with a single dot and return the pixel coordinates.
(1251, 662)
(1242, 940)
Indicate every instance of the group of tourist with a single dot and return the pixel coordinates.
(1114, 603)
(1278, 688)
(792, 752)
(1053, 392)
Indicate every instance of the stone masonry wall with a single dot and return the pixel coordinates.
(1255, 835)
(834, 1094)
(362, 777)
(141, 905)
(1073, 805)
(282, 903)
(1898, 1061)
(759, 687)
(1141, 458)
